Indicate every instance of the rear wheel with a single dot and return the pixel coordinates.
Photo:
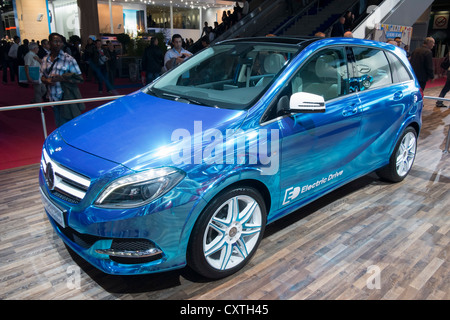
(227, 233)
(402, 158)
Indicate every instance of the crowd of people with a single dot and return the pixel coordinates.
(61, 63)
(97, 62)
(100, 63)
(209, 33)
(54, 67)
(154, 63)
(61, 66)
(344, 26)
(94, 60)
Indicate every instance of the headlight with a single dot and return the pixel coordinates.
(140, 188)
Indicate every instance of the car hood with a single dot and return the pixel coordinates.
(139, 130)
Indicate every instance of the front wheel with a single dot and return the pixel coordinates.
(402, 158)
(227, 233)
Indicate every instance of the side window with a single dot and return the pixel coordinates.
(371, 68)
(399, 71)
(323, 74)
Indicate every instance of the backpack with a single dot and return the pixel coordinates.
(445, 64)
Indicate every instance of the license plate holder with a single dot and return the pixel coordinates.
(53, 210)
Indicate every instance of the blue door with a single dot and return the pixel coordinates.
(386, 91)
(318, 148)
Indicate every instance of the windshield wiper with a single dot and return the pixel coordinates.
(181, 98)
(152, 92)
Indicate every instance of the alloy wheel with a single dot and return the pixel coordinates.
(232, 232)
(406, 154)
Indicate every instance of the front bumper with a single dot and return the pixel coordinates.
(148, 239)
(113, 250)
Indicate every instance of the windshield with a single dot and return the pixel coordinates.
(229, 75)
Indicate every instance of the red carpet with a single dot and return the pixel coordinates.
(436, 83)
(21, 133)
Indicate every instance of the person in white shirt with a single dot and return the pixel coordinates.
(177, 55)
(32, 60)
(12, 55)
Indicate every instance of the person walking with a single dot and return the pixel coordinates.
(12, 58)
(152, 61)
(446, 87)
(31, 60)
(6, 62)
(111, 64)
(99, 59)
(22, 50)
(87, 59)
(422, 62)
(53, 68)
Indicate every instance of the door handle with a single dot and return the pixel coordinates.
(351, 110)
(398, 95)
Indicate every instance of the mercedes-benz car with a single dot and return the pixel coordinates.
(189, 170)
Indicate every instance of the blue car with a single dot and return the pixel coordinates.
(191, 168)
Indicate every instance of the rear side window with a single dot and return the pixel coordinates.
(371, 69)
(399, 71)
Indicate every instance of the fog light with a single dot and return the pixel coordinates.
(128, 253)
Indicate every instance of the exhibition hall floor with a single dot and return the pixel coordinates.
(367, 240)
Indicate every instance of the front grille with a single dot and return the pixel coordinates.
(62, 182)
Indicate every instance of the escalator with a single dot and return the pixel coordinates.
(308, 17)
(304, 18)
(262, 13)
(392, 12)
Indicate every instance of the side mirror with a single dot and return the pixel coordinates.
(304, 102)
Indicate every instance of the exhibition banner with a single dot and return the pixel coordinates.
(385, 32)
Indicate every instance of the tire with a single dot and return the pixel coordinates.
(402, 158)
(228, 233)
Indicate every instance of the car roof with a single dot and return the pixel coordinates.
(305, 41)
(301, 40)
